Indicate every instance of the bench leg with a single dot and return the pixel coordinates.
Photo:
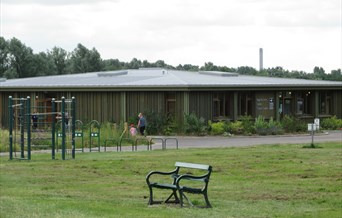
(174, 193)
(207, 200)
(168, 200)
(150, 201)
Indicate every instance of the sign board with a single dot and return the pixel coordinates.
(316, 121)
(312, 127)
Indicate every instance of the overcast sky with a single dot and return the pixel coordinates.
(294, 34)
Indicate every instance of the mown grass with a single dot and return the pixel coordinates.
(258, 181)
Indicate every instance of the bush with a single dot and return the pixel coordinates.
(235, 127)
(195, 125)
(331, 123)
(261, 126)
(248, 125)
(274, 127)
(292, 124)
(217, 128)
(155, 123)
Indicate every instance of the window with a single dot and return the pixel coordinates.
(170, 103)
(325, 103)
(221, 105)
(245, 104)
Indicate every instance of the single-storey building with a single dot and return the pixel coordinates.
(119, 95)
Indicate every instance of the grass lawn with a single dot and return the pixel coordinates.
(258, 181)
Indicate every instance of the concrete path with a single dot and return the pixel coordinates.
(239, 141)
(185, 142)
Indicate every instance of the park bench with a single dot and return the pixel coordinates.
(181, 183)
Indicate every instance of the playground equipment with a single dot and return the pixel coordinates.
(41, 131)
(94, 132)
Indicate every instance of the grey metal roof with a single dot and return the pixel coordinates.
(162, 78)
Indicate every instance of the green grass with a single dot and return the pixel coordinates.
(258, 181)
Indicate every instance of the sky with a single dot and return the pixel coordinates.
(294, 34)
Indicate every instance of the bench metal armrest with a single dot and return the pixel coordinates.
(203, 178)
(160, 173)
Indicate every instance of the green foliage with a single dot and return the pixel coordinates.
(4, 140)
(263, 127)
(291, 124)
(248, 125)
(155, 122)
(194, 125)
(235, 128)
(331, 123)
(217, 128)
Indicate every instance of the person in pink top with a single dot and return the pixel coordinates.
(133, 130)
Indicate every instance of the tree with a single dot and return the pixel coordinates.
(4, 59)
(59, 57)
(245, 70)
(44, 65)
(84, 60)
(319, 73)
(112, 64)
(134, 64)
(209, 66)
(21, 58)
(335, 75)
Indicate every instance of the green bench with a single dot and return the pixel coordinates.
(180, 184)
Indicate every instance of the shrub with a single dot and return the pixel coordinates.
(261, 126)
(248, 125)
(235, 127)
(195, 125)
(274, 127)
(170, 127)
(331, 123)
(156, 122)
(217, 128)
(292, 124)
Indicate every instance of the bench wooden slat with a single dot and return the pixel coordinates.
(192, 165)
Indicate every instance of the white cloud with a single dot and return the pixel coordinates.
(295, 34)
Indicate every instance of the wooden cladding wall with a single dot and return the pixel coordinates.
(201, 103)
(100, 106)
(137, 102)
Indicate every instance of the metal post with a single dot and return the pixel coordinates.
(10, 108)
(63, 128)
(28, 120)
(312, 134)
(22, 131)
(73, 125)
(53, 130)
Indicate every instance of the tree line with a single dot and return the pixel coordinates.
(19, 61)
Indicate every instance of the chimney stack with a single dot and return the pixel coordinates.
(261, 67)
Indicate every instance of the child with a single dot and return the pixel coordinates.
(133, 130)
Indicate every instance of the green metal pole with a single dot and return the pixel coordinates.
(90, 135)
(22, 131)
(28, 120)
(98, 138)
(63, 128)
(10, 108)
(53, 129)
(73, 121)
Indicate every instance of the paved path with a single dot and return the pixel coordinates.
(239, 141)
(233, 141)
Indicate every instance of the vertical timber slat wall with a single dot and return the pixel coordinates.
(201, 104)
(117, 106)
